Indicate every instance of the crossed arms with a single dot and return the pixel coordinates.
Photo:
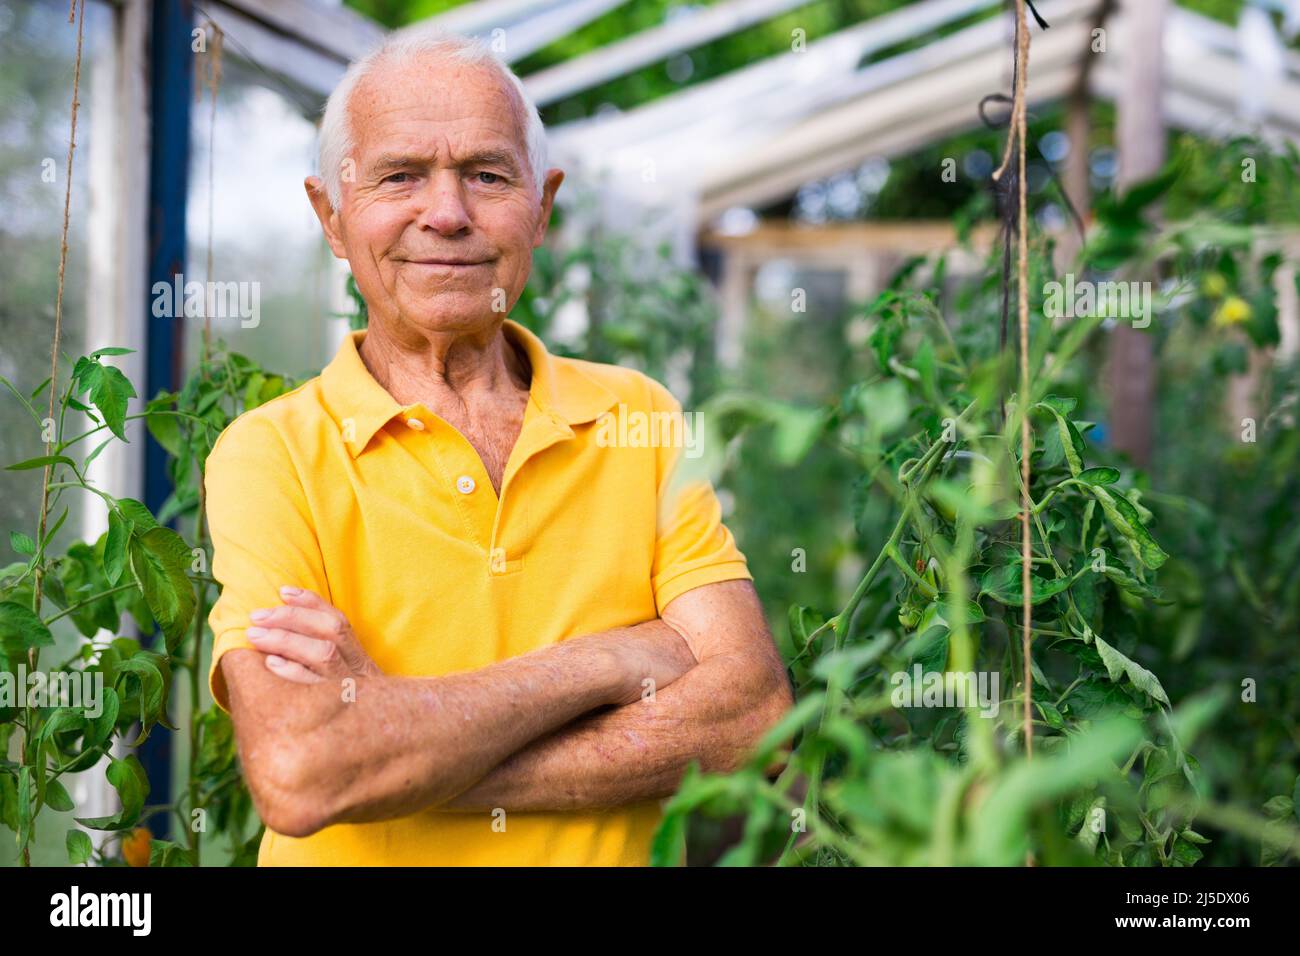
(562, 728)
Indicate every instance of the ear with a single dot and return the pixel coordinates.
(328, 216)
(552, 185)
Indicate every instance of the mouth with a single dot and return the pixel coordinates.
(448, 263)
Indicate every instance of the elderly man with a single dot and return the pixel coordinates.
(456, 629)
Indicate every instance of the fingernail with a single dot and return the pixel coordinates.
(290, 590)
(260, 614)
(254, 633)
(273, 660)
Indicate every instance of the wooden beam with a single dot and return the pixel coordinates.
(1140, 143)
(912, 237)
(806, 78)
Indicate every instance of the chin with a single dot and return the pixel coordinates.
(453, 312)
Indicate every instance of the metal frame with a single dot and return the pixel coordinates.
(756, 135)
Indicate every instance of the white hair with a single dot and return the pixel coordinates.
(336, 143)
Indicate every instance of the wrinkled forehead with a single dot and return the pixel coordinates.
(438, 96)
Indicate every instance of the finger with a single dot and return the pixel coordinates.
(310, 652)
(302, 597)
(326, 625)
(290, 670)
(334, 626)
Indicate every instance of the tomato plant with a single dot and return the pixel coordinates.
(138, 570)
(930, 429)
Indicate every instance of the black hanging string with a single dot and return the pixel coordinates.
(1042, 24)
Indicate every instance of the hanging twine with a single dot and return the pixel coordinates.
(207, 76)
(79, 15)
(1016, 141)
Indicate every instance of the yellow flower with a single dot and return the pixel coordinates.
(1233, 311)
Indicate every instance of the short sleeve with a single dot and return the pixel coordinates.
(692, 545)
(261, 531)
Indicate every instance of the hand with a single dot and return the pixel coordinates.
(308, 640)
(658, 655)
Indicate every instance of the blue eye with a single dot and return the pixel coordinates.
(495, 177)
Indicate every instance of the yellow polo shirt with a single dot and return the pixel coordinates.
(387, 511)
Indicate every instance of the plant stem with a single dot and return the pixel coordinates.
(72, 441)
(90, 600)
(926, 589)
(112, 502)
(834, 692)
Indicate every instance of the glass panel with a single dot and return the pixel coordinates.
(37, 52)
(264, 236)
(37, 55)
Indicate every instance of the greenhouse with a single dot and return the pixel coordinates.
(942, 357)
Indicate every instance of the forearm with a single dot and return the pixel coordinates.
(405, 744)
(714, 714)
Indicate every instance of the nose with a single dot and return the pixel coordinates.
(442, 205)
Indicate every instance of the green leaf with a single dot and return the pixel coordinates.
(110, 350)
(1094, 699)
(695, 791)
(1071, 441)
(1058, 405)
(86, 373)
(57, 797)
(1000, 826)
(1099, 476)
(137, 514)
(165, 428)
(132, 785)
(23, 398)
(21, 630)
(1050, 714)
(110, 392)
(95, 454)
(1124, 579)
(153, 688)
(1124, 518)
(1279, 807)
(63, 720)
(115, 547)
(932, 654)
(1118, 664)
(803, 622)
(9, 800)
(21, 543)
(41, 462)
(168, 853)
(99, 728)
(159, 561)
(1185, 853)
(80, 849)
(1003, 584)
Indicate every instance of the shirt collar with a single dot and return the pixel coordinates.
(361, 406)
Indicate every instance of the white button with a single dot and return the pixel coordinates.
(416, 424)
(464, 484)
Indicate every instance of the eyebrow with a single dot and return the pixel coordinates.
(487, 157)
